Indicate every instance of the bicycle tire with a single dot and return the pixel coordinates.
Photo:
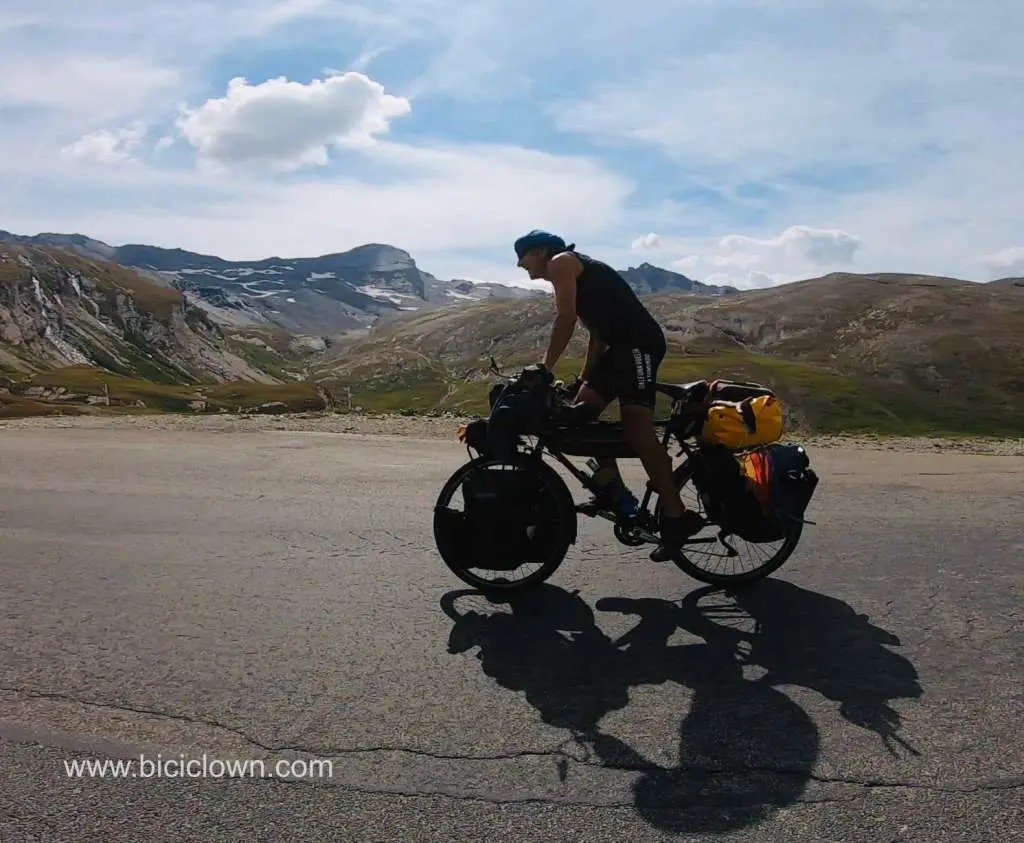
(683, 474)
(564, 515)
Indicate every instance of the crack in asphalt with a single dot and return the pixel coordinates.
(559, 752)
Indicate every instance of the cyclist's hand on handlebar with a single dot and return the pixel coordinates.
(539, 371)
(571, 390)
(568, 393)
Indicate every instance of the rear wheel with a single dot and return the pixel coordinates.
(552, 525)
(711, 559)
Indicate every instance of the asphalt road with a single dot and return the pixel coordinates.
(277, 596)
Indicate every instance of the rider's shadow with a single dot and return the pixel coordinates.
(548, 647)
(803, 638)
(745, 748)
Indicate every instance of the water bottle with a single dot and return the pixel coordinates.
(626, 503)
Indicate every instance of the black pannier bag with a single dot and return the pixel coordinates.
(756, 495)
(503, 519)
(729, 497)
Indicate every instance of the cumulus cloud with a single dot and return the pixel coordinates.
(106, 146)
(290, 124)
(648, 242)
(748, 262)
(825, 247)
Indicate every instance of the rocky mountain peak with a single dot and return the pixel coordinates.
(328, 294)
(60, 309)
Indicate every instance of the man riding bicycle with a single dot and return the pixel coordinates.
(627, 346)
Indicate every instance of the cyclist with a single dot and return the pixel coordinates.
(627, 345)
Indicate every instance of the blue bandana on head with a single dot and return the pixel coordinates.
(538, 239)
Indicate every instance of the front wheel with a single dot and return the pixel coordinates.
(551, 529)
(700, 552)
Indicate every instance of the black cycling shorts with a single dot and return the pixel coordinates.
(628, 374)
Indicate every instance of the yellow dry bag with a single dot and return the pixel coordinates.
(743, 424)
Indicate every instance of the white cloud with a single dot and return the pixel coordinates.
(910, 164)
(442, 200)
(189, 30)
(759, 280)
(16, 20)
(106, 147)
(755, 280)
(746, 262)
(290, 124)
(919, 154)
(484, 57)
(445, 202)
(759, 106)
(686, 263)
(649, 242)
(799, 242)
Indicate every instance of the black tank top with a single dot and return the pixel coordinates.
(608, 307)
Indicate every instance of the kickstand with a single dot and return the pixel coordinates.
(732, 550)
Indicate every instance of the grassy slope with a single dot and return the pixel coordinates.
(891, 354)
(233, 396)
(820, 399)
(15, 407)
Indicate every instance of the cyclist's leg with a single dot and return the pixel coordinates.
(597, 392)
(636, 372)
(637, 395)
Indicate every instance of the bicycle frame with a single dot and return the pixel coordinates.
(677, 426)
(674, 428)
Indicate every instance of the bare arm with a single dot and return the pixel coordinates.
(563, 278)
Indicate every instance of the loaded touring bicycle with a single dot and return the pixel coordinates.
(519, 518)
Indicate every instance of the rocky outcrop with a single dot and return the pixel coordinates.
(647, 278)
(59, 309)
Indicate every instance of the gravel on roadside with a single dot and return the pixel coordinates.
(445, 427)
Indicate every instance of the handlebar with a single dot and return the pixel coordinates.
(496, 369)
(557, 386)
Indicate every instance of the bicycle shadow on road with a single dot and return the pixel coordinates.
(745, 748)
(804, 638)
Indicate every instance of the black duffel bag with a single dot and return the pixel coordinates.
(521, 407)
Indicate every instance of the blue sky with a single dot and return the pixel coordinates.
(733, 140)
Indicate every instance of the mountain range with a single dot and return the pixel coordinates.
(325, 295)
(889, 352)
